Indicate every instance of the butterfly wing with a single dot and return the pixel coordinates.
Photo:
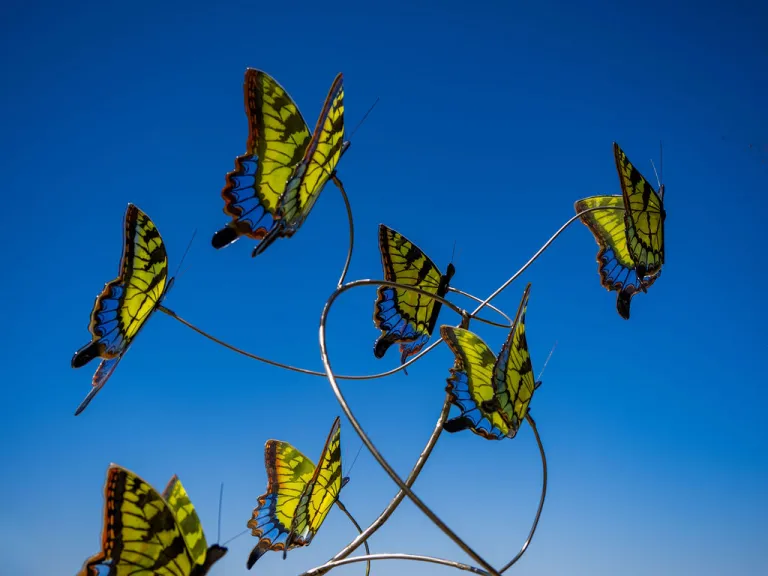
(320, 492)
(310, 175)
(127, 302)
(615, 264)
(183, 511)
(472, 387)
(141, 535)
(277, 140)
(513, 372)
(402, 315)
(644, 216)
(288, 472)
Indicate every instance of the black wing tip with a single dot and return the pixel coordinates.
(381, 346)
(224, 237)
(255, 554)
(457, 424)
(622, 305)
(85, 355)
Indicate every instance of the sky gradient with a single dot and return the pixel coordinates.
(494, 119)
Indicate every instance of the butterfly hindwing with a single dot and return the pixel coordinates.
(126, 303)
(288, 472)
(320, 493)
(277, 140)
(644, 216)
(141, 534)
(615, 264)
(402, 315)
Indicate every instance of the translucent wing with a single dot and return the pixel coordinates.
(141, 535)
(186, 517)
(310, 175)
(472, 386)
(404, 316)
(277, 140)
(288, 472)
(127, 302)
(320, 493)
(615, 264)
(644, 216)
(513, 373)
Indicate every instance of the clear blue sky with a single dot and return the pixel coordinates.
(494, 118)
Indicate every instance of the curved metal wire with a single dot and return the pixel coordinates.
(360, 530)
(227, 345)
(416, 557)
(508, 325)
(367, 441)
(395, 502)
(541, 500)
(347, 205)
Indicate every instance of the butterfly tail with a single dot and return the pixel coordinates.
(224, 237)
(256, 553)
(100, 378)
(383, 343)
(458, 424)
(271, 236)
(623, 299)
(86, 354)
(213, 555)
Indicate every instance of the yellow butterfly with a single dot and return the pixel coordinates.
(630, 233)
(492, 393)
(148, 534)
(127, 302)
(298, 497)
(402, 315)
(277, 181)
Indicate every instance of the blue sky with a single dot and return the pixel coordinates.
(494, 118)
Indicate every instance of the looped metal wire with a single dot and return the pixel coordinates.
(405, 488)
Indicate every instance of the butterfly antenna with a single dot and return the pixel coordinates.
(189, 246)
(546, 361)
(355, 460)
(221, 498)
(363, 118)
(236, 536)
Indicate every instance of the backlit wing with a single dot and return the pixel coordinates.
(643, 217)
(320, 493)
(288, 472)
(513, 372)
(320, 159)
(183, 511)
(615, 264)
(402, 315)
(127, 302)
(472, 387)
(277, 140)
(141, 536)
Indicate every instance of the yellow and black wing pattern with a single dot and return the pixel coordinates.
(320, 493)
(294, 485)
(402, 315)
(146, 535)
(629, 232)
(643, 217)
(312, 172)
(127, 302)
(492, 394)
(277, 140)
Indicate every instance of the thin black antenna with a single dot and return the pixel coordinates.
(349, 470)
(453, 252)
(189, 246)
(236, 536)
(221, 497)
(547, 361)
(363, 118)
